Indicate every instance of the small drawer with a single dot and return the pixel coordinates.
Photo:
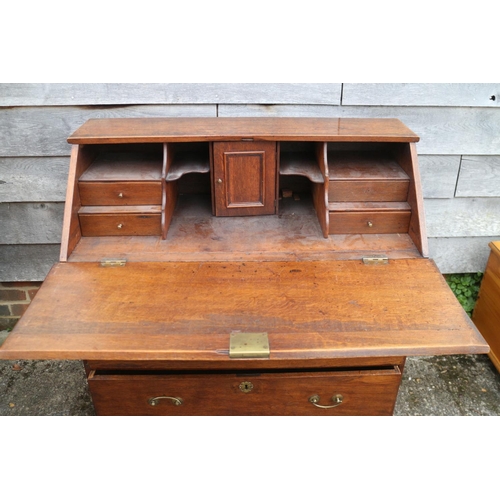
(369, 222)
(134, 221)
(365, 190)
(356, 392)
(120, 193)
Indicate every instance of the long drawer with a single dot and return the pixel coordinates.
(353, 392)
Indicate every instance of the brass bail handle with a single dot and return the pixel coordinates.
(337, 399)
(156, 401)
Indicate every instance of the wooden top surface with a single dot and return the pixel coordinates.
(495, 247)
(137, 130)
(185, 311)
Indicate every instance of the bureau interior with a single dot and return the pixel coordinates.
(329, 197)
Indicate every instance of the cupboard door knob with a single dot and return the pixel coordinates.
(219, 181)
(156, 401)
(119, 226)
(337, 399)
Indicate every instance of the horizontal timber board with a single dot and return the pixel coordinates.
(421, 94)
(310, 310)
(43, 131)
(442, 131)
(27, 223)
(459, 217)
(33, 179)
(439, 175)
(479, 176)
(460, 255)
(77, 94)
(27, 262)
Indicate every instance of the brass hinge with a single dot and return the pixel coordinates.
(113, 262)
(248, 345)
(376, 260)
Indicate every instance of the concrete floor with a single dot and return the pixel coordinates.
(437, 385)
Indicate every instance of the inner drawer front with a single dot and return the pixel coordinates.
(120, 193)
(363, 190)
(120, 224)
(385, 222)
(363, 392)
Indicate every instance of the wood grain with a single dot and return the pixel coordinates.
(43, 131)
(421, 94)
(461, 217)
(115, 131)
(486, 315)
(479, 177)
(30, 223)
(120, 193)
(29, 262)
(460, 254)
(81, 158)
(439, 174)
(95, 94)
(369, 222)
(442, 130)
(364, 392)
(33, 179)
(309, 309)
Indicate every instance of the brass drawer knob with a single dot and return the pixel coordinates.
(119, 226)
(219, 181)
(156, 401)
(369, 224)
(337, 399)
(120, 195)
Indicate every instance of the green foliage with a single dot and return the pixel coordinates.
(465, 287)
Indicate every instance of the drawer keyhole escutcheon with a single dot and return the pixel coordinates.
(156, 401)
(246, 387)
(337, 399)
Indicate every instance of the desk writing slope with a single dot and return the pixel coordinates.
(186, 311)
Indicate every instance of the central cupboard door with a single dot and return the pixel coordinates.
(245, 178)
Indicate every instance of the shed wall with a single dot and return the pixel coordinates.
(459, 151)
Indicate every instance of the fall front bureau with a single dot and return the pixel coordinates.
(243, 266)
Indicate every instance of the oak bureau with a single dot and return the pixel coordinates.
(243, 266)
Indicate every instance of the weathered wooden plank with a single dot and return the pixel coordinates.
(461, 217)
(447, 131)
(27, 262)
(460, 255)
(479, 176)
(33, 179)
(439, 175)
(75, 94)
(26, 223)
(442, 131)
(421, 94)
(279, 110)
(43, 131)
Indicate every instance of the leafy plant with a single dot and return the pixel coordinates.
(465, 286)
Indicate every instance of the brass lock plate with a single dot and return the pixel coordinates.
(249, 345)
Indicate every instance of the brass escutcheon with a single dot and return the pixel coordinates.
(246, 386)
